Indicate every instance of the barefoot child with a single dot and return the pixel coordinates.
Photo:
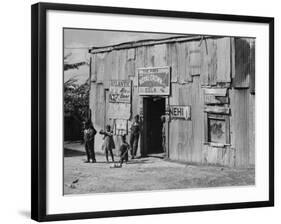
(124, 148)
(108, 143)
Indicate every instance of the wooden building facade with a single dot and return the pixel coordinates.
(211, 80)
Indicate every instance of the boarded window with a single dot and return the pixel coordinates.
(217, 129)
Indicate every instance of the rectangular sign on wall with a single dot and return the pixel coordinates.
(121, 127)
(120, 91)
(154, 81)
(180, 112)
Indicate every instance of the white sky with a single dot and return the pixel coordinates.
(78, 41)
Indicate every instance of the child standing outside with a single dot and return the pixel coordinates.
(89, 140)
(108, 143)
(124, 148)
(134, 138)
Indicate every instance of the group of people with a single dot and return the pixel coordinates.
(108, 142)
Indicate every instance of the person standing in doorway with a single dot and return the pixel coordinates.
(89, 140)
(163, 120)
(134, 138)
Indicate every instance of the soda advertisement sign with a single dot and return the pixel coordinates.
(154, 81)
(180, 112)
(120, 91)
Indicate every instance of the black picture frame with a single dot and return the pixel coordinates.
(39, 107)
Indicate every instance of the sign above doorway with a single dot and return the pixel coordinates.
(154, 81)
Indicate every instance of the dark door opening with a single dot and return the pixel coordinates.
(154, 108)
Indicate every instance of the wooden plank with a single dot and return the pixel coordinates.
(140, 58)
(232, 156)
(204, 74)
(242, 63)
(182, 64)
(194, 58)
(251, 128)
(240, 128)
(185, 128)
(130, 63)
(107, 69)
(149, 56)
(204, 154)
(215, 91)
(252, 66)
(93, 68)
(131, 55)
(92, 100)
(218, 155)
(174, 129)
(212, 66)
(232, 49)
(211, 99)
(227, 127)
(100, 65)
(160, 55)
(115, 64)
(130, 68)
(217, 109)
(223, 99)
(197, 100)
(172, 61)
(122, 56)
(212, 155)
(206, 130)
(223, 60)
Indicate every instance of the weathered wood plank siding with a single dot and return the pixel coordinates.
(206, 73)
(240, 119)
(242, 63)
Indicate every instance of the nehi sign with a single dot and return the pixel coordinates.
(180, 112)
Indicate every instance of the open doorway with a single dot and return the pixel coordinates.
(153, 108)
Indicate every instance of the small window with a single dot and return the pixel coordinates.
(217, 129)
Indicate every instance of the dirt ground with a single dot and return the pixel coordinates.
(142, 174)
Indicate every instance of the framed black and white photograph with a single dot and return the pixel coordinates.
(138, 111)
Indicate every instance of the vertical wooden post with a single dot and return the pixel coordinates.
(141, 140)
(167, 122)
(89, 114)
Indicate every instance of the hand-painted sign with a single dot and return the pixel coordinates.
(121, 127)
(120, 91)
(154, 81)
(180, 112)
(119, 111)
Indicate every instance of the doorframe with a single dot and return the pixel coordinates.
(167, 123)
(143, 148)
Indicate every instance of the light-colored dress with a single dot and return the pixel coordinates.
(108, 143)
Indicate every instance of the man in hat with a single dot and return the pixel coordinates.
(89, 140)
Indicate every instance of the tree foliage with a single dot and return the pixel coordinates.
(76, 99)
